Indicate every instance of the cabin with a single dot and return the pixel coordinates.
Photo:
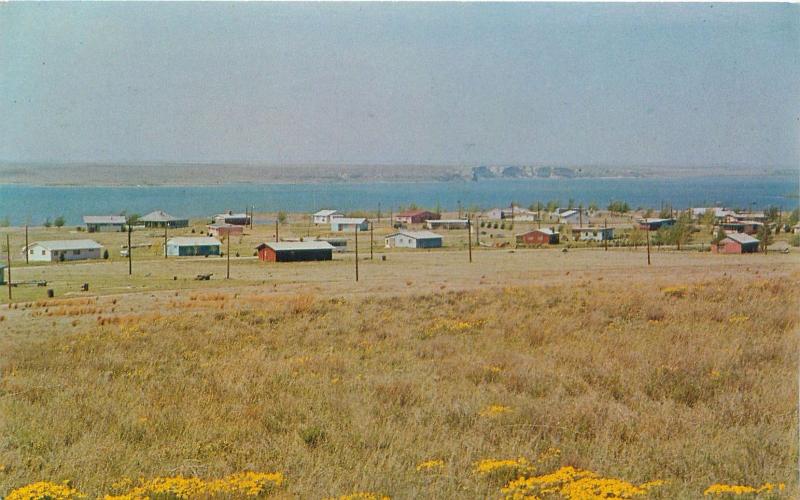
(736, 243)
(339, 244)
(447, 224)
(221, 230)
(295, 251)
(593, 233)
(232, 218)
(745, 226)
(62, 250)
(569, 217)
(545, 236)
(104, 223)
(413, 239)
(339, 224)
(325, 216)
(654, 224)
(191, 246)
(415, 216)
(160, 218)
(719, 212)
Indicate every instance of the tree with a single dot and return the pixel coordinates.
(438, 207)
(5, 222)
(620, 207)
(772, 213)
(708, 218)
(593, 206)
(719, 236)
(794, 217)
(681, 231)
(133, 218)
(47, 223)
(282, 217)
(636, 236)
(571, 203)
(666, 212)
(59, 222)
(105, 254)
(765, 235)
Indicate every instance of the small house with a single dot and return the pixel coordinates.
(189, 246)
(569, 217)
(339, 224)
(61, 250)
(544, 236)
(295, 251)
(220, 230)
(494, 214)
(744, 226)
(655, 224)
(593, 233)
(232, 218)
(413, 239)
(736, 243)
(447, 224)
(325, 216)
(159, 218)
(415, 216)
(104, 223)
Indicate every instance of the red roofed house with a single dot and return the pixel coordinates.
(538, 237)
(416, 216)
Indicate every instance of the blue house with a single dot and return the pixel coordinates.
(339, 224)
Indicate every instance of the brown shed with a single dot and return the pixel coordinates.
(538, 237)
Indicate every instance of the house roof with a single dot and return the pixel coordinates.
(326, 213)
(741, 238)
(104, 219)
(417, 235)
(545, 230)
(218, 225)
(654, 221)
(349, 220)
(296, 245)
(580, 229)
(411, 213)
(448, 221)
(568, 213)
(232, 216)
(193, 241)
(68, 244)
(158, 216)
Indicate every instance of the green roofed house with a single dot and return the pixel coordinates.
(159, 218)
(189, 246)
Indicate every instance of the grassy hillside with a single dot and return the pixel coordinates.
(692, 384)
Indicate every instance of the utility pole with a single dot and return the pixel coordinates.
(512, 213)
(276, 231)
(648, 244)
(165, 240)
(228, 275)
(459, 209)
(539, 214)
(356, 245)
(605, 235)
(8, 256)
(477, 231)
(252, 211)
(371, 239)
(469, 238)
(26, 245)
(130, 252)
(580, 215)
(379, 212)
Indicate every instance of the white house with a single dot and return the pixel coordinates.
(104, 223)
(413, 239)
(593, 233)
(325, 216)
(339, 224)
(447, 224)
(190, 246)
(569, 217)
(58, 250)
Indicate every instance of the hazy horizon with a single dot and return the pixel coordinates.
(621, 85)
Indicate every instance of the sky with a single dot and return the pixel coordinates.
(690, 85)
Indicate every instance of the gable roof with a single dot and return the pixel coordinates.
(417, 235)
(159, 216)
(741, 238)
(296, 245)
(545, 230)
(67, 244)
(194, 241)
(349, 220)
(568, 213)
(104, 219)
(411, 213)
(326, 213)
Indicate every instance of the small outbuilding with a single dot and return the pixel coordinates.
(416, 216)
(190, 246)
(104, 223)
(655, 224)
(326, 216)
(413, 239)
(543, 236)
(569, 217)
(232, 218)
(593, 233)
(338, 244)
(736, 243)
(295, 251)
(2, 274)
(160, 218)
(61, 250)
(339, 224)
(221, 230)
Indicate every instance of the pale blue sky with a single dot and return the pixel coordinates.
(564, 84)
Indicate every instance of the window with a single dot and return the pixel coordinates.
(30, 251)
(43, 252)
(76, 252)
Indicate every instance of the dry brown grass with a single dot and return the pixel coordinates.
(635, 381)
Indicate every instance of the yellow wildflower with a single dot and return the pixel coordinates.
(430, 465)
(492, 410)
(45, 490)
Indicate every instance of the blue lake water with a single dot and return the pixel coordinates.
(36, 203)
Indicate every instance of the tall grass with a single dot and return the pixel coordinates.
(691, 384)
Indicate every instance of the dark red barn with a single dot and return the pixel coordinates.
(538, 237)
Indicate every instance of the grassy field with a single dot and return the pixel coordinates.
(431, 377)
